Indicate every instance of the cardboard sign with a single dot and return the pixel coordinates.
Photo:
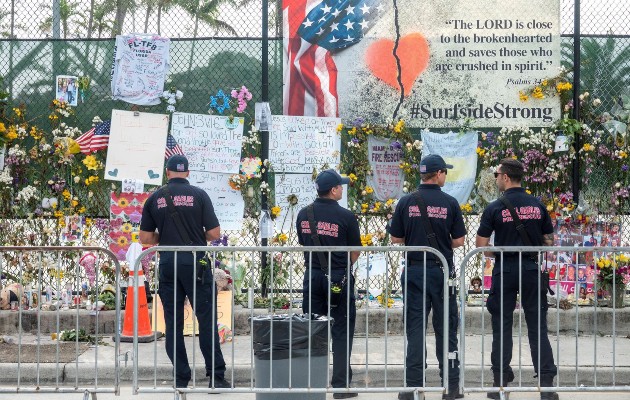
(228, 203)
(224, 314)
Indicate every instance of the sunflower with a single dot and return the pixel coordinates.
(127, 228)
(122, 241)
(123, 202)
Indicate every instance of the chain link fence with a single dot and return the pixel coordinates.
(217, 45)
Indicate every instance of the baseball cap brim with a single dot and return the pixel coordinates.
(449, 166)
(344, 180)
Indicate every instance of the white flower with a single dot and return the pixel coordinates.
(597, 102)
(171, 100)
(5, 176)
(166, 94)
(170, 108)
(179, 95)
(77, 179)
(617, 185)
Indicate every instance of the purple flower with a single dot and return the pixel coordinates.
(624, 167)
(396, 145)
(358, 122)
(354, 140)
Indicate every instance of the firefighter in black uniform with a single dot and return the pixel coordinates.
(201, 225)
(335, 226)
(506, 278)
(407, 226)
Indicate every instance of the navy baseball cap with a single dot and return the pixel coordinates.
(177, 163)
(328, 179)
(433, 163)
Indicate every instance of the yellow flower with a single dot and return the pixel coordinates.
(339, 127)
(36, 134)
(91, 163)
(399, 126)
(353, 177)
(623, 154)
(18, 112)
(528, 191)
(369, 190)
(281, 238)
(275, 211)
(366, 240)
(126, 227)
(66, 194)
(75, 203)
(123, 202)
(3, 128)
(90, 180)
(377, 206)
(522, 96)
(563, 86)
(550, 207)
(481, 152)
(587, 147)
(544, 83)
(364, 207)
(58, 214)
(122, 241)
(538, 93)
(466, 208)
(82, 210)
(12, 133)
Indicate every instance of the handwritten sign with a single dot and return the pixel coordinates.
(303, 187)
(228, 203)
(299, 144)
(458, 150)
(371, 265)
(136, 147)
(211, 142)
(387, 178)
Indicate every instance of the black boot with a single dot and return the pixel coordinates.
(547, 381)
(508, 377)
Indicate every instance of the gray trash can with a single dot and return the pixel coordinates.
(288, 350)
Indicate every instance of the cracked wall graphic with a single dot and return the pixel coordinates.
(432, 63)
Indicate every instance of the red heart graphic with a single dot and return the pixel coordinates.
(413, 52)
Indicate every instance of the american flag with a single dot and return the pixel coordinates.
(172, 147)
(95, 139)
(315, 29)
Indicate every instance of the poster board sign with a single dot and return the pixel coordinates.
(228, 203)
(301, 144)
(136, 147)
(387, 178)
(457, 59)
(303, 187)
(140, 65)
(224, 314)
(125, 213)
(212, 143)
(459, 150)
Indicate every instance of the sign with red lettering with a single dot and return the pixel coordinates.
(387, 177)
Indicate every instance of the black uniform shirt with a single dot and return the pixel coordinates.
(336, 226)
(195, 211)
(532, 213)
(445, 217)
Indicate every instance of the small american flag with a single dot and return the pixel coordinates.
(172, 147)
(95, 139)
(314, 30)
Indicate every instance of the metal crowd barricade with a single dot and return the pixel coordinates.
(240, 361)
(37, 377)
(580, 366)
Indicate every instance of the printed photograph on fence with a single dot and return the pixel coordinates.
(66, 89)
(72, 232)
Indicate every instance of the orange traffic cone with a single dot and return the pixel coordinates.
(145, 334)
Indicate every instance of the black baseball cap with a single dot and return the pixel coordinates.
(177, 163)
(433, 163)
(328, 179)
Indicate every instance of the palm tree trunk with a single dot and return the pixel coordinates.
(121, 13)
(90, 19)
(148, 15)
(159, 18)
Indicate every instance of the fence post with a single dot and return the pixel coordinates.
(576, 97)
(264, 133)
